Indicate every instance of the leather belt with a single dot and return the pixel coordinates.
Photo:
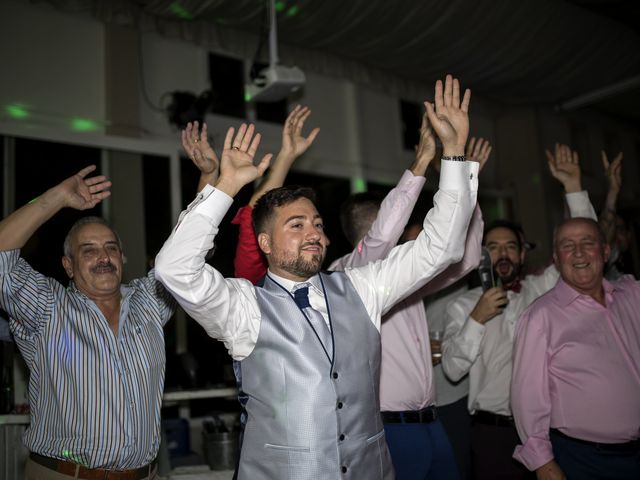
(632, 446)
(426, 415)
(69, 468)
(489, 418)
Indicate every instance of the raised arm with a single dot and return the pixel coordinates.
(565, 167)
(249, 262)
(395, 209)
(477, 151)
(216, 303)
(294, 144)
(409, 266)
(76, 192)
(613, 172)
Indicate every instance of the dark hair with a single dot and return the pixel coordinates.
(515, 227)
(356, 212)
(81, 223)
(264, 209)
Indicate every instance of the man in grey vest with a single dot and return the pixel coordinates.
(309, 342)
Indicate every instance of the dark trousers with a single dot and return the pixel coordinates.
(492, 450)
(420, 451)
(581, 461)
(457, 423)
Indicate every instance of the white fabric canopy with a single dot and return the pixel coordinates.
(524, 51)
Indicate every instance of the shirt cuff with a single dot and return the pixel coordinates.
(8, 260)
(411, 181)
(579, 203)
(213, 204)
(473, 330)
(454, 175)
(535, 453)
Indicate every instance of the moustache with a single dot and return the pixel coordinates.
(502, 262)
(106, 267)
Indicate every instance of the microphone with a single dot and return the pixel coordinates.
(485, 270)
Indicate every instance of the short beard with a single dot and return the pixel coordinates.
(303, 268)
(298, 266)
(515, 273)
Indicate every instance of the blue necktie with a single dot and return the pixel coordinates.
(301, 297)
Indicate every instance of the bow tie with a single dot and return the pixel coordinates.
(514, 286)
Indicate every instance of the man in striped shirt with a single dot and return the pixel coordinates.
(95, 349)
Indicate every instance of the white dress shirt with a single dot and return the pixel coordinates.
(484, 351)
(228, 309)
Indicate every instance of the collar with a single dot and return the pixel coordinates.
(291, 285)
(566, 294)
(125, 291)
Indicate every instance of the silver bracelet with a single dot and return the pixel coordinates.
(454, 158)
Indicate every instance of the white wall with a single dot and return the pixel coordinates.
(169, 65)
(52, 63)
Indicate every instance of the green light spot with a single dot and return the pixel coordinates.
(180, 12)
(358, 185)
(34, 201)
(247, 97)
(83, 125)
(280, 6)
(16, 110)
(535, 179)
(293, 11)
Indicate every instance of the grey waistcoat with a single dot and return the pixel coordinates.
(311, 417)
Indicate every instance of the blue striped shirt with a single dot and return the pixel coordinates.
(95, 398)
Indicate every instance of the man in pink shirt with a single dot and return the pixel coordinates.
(575, 391)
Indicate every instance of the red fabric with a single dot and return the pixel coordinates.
(515, 286)
(249, 262)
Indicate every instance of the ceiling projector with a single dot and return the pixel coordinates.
(274, 83)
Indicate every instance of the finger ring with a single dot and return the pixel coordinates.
(196, 140)
(235, 148)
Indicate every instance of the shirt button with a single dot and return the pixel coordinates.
(341, 437)
(339, 404)
(335, 374)
(344, 469)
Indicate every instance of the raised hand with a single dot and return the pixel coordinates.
(426, 150)
(236, 164)
(83, 193)
(196, 146)
(565, 167)
(76, 192)
(478, 151)
(449, 116)
(613, 171)
(491, 303)
(294, 143)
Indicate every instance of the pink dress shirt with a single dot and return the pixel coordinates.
(406, 376)
(577, 369)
